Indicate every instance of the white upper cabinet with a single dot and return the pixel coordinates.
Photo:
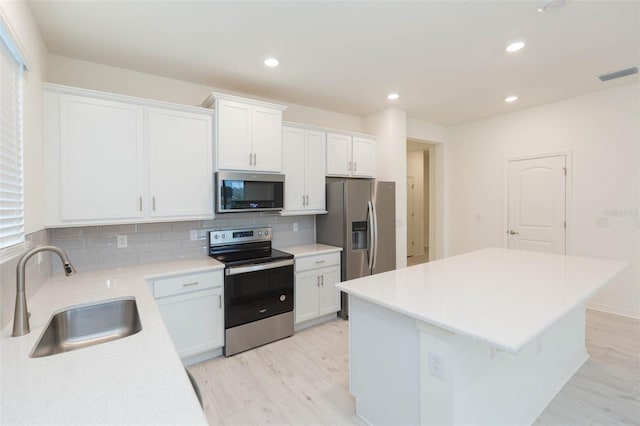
(236, 131)
(294, 168)
(352, 156)
(117, 159)
(364, 157)
(304, 168)
(180, 163)
(338, 155)
(100, 161)
(248, 133)
(315, 170)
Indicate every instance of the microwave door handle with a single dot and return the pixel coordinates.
(370, 244)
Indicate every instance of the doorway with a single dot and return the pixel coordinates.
(536, 203)
(419, 202)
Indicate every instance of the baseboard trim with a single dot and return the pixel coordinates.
(313, 322)
(613, 310)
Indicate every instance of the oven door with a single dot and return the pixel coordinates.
(258, 291)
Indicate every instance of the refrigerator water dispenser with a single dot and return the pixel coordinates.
(359, 235)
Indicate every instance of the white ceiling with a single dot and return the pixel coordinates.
(446, 59)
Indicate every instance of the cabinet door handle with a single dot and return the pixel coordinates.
(318, 280)
(307, 200)
(154, 203)
(220, 301)
(140, 203)
(303, 200)
(349, 166)
(320, 261)
(255, 159)
(322, 280)
(355, 166)
(190, 284)
(251, 159)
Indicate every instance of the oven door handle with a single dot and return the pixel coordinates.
(235, 270)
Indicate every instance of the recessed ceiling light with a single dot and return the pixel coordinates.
(511, 99)
(393, 96)
(271, 62)
(514, 47)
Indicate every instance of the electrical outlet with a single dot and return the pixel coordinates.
(295, 226)
(122, 241)
(436, 364)
(193, 235)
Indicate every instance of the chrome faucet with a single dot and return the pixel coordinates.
(21, 316)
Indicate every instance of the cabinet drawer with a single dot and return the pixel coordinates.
(319, 261)
(186, 283)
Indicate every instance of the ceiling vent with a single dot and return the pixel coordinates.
(618, 74)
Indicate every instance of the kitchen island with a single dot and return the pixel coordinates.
(138, 379)
(487, 337)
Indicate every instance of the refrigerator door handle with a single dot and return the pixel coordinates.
(375, 236)
(371, 242)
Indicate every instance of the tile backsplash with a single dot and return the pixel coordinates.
(36, 275)
(95, 247)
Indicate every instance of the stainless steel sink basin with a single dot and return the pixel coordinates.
(84, 326)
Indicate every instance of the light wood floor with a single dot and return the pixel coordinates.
(304, 380)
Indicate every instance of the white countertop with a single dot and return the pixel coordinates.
(310, 250)
(135, 380)
(505, 298)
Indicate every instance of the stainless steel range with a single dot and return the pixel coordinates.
(258, 288)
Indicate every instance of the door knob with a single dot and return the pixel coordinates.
(512, 232)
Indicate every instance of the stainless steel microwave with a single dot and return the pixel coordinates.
(249, 192)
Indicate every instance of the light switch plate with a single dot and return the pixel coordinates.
(436, 364)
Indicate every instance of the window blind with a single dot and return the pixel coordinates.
(11, 164)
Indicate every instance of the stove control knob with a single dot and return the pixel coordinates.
(283, 297)
(260, 234)
(266, 233)
(224, 236)
(216, 236)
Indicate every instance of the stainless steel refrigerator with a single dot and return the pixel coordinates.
(361, 219)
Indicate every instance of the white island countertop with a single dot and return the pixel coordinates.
(505, 298)
(135, 380)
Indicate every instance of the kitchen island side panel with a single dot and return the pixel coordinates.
(484, 386)
(384, 364)
(392, 378)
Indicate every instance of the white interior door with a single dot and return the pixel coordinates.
(537, 204)
(411, 226)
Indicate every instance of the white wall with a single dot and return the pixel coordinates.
(91, 75)
(602, 130)
(390, 128)
(415, 169)
(427, 194)
(18, 17)
(425, 131)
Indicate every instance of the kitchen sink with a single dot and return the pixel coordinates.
(84, 326)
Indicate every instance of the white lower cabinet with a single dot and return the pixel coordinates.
(191, 306)
(315, 291)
